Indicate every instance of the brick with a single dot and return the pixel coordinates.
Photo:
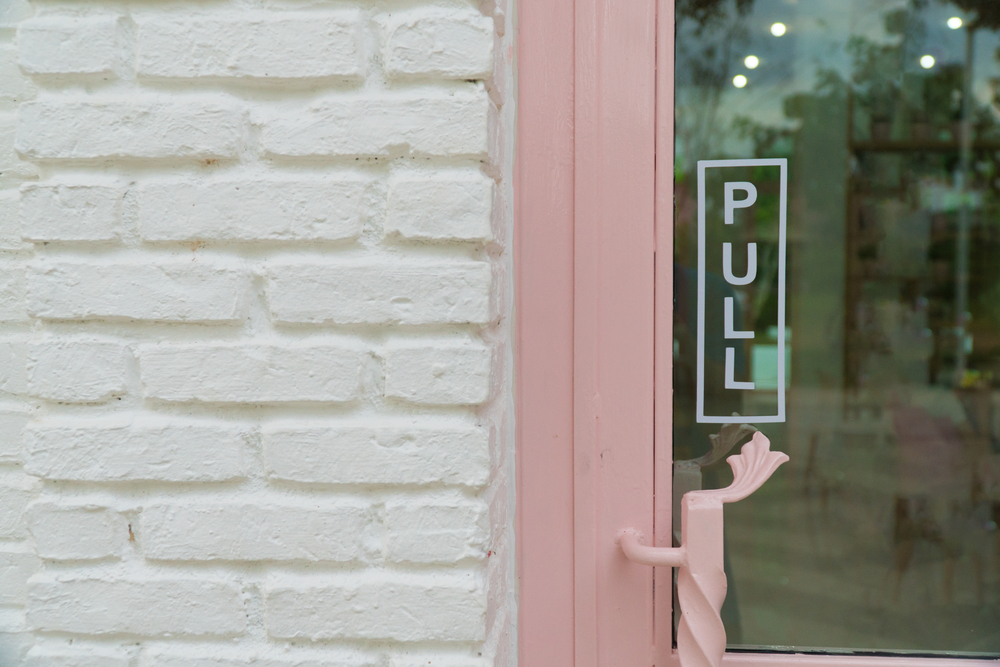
(221, 373)
(12, 286)
(440, 43)
(77, 370)
(11, 424)
(229, 656)
(437, 532)
(13, 12)
(71, 212)
(166, 291)
(10, 225)
(146, 607)
(16, 491)
(13, 170)
(249, 45)
(137, 127)
(15, 87)
(111, 450)
(444, 206)
(254, 208)
(77, 655)
(434, 124)
(13, 363)
(16, 567)
(72, 532)
(341, 454)
(396, 292)
(377, 605)
(333, 531)
(423, 659)
(440, 372)
(68, 45)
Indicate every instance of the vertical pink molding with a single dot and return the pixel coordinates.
(543, 257)
(663, 418)
(615, 99)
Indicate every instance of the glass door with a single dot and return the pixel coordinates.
(850, 310)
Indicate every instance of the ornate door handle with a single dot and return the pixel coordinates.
(701, 582)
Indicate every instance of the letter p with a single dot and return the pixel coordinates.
(732, 204)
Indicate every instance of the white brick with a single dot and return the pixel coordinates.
(10, 225)
(334, 454)
(15, 87)
(446, 124)
(13, 12)
(220, 373)
(12, 285)
(423, 659)
(266, 46)
(207, 655)
(254, 208)
(15, 569)
(77, 656)
(70, 532)
(76, 370)
(147, 607)
(331, 531)
(146, 449)
(13, 170)
(442, 43)
(11, 424)
(139, 127)
(438, 532)
(68, 45)
(168, 291)
(443, 206)
(377, 605)
(443, 372)
(13, 365)
(16, 491)
(65, 212)
(387, 292)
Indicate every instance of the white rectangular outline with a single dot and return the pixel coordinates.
(700, 416)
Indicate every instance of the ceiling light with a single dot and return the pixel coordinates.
(751, 62)
(739, 81)
(778, 29)
(954, 23)
(927, 62)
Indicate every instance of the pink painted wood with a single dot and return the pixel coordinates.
(543, 256)
(584, 138)
(664, 318)
(615, 102)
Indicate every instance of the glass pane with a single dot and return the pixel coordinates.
(881, 532)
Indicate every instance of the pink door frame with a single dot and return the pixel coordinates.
(593, 213)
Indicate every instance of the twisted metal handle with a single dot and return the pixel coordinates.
(701, 581)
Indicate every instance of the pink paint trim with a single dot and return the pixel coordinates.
(803, 660)
(543, 256)
(613, 325)
(663, 399)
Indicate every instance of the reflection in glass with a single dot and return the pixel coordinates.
(881, 533)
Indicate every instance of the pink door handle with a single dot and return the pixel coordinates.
(701, 582)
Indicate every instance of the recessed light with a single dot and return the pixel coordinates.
(751, 62)
(739, 81)
(927, 62)
(778, 29)
(954, 23)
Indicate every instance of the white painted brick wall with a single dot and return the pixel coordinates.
(255, 367)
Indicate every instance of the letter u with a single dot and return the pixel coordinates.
(727, 264)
